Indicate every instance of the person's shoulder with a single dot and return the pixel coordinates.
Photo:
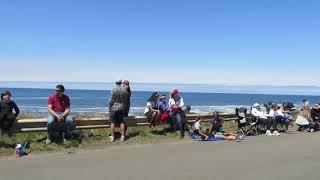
(52, 96)
(65, 96)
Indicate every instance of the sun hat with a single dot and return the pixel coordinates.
(174, 91)
(162, 96)
(256, 105)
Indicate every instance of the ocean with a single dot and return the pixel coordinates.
(96, 101)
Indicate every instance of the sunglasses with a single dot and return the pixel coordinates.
(59, 91)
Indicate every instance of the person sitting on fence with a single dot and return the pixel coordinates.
(279, 116)
(175, 105)
(151, 111)
(117, 105)
(197, 129)
(59, 109)
(163, 108)
(7, 117)
(315, 114)
(264, 119)
(216, 123)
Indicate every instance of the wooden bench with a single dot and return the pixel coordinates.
(31, 125)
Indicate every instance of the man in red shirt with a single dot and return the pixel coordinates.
(59, 109)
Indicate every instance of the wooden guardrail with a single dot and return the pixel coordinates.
(29, 125)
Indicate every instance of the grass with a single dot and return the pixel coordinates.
(93, 139)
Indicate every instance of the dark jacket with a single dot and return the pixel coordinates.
(315, 114)
(7, 108)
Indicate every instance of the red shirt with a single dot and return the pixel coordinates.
(59, 104)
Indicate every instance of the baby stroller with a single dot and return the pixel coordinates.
(245, 125)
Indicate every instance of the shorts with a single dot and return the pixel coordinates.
(148, 114)
(116, 116)
(164, 116)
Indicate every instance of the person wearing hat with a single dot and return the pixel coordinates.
(163, 108)
(117, 105)
(264, 118)
(175, 111)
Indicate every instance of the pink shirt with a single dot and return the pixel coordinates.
(59, 104)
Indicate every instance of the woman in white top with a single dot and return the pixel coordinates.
(151, 111)
(175, 111)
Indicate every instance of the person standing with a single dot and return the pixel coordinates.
(117, 105)
(7, 117)
(59, 109)
(126, 86)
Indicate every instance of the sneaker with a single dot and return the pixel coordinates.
(276, 133)
(311, 130)
(123, 138)
(48, 141)
(64, 141)
(268, 133)
(111, 138)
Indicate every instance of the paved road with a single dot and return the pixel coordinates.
(295, 156)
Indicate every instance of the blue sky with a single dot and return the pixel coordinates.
(168, 41)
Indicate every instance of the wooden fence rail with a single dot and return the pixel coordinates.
(29, 125)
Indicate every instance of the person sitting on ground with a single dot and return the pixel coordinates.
(263, 118)
(175, 105)
(151, 111)
(163, 108)
(279, 116)
(59, 109)
(117, 105)
(7, 117)
(315, 114)
(304, 119)
(216, 123)
(197, 129)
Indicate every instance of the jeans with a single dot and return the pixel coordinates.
(284, 120)
(69, 124)
(180, 121)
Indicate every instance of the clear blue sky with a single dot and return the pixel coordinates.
(183, 41)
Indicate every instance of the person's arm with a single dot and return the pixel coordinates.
(172, 104)
(50, 107)
(51, 111)
(16, 109)
(112, 100)
(151, 108)
(181, 104)
(211, 128)
(67, 110)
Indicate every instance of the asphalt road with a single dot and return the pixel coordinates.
(294, 156)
